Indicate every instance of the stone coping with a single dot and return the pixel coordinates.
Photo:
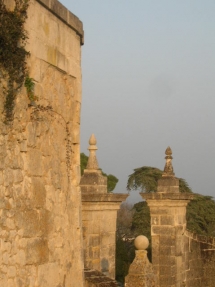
(171, 196)
(104, 197)
(98, 279)
(64, 15)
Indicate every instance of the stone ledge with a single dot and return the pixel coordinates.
(108, 197)
(171, 196)
(94, 278)
(64, 15)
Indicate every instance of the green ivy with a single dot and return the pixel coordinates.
(12, 52)
(29, 84)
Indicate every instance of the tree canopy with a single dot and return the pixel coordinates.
(146, 179)
(111, 179)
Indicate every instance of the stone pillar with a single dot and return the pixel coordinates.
(168, 224)
(99, 212)
(141, 272)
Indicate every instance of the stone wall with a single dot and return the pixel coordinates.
(40, 201)
(200, 260)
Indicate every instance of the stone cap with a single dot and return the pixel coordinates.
(171, 196)
(64, 15)
(107, 197)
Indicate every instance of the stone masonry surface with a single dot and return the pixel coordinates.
(40, 200)
(200, 260)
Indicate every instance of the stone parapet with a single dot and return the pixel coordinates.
(64, 15)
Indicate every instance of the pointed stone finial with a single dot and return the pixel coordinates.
(168, 169)
(92, 160)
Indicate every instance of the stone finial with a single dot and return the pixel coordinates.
(93, 181)
(92, 160)
(141, 271)
(141, 242)
(168, 169)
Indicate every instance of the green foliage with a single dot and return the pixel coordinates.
(146, 179)
(12, 52)
(141, 220)
(184, 186)
(201, 215)
(111, 179)
(84, 159)
(29, 84)
(125, 254)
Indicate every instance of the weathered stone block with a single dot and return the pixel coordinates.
(35, 166)
(38, 192)
(32, 222)
(167, 220)
(163, 230)
(37, 251)
(168, 184)
(94, 240)
(49, 275)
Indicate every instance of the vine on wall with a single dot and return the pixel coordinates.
(13, 66)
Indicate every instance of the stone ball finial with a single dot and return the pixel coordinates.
(141, 242)
(92, 140)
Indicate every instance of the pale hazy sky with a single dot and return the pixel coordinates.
(149, 82)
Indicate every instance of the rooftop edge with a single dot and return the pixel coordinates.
(60, 11)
